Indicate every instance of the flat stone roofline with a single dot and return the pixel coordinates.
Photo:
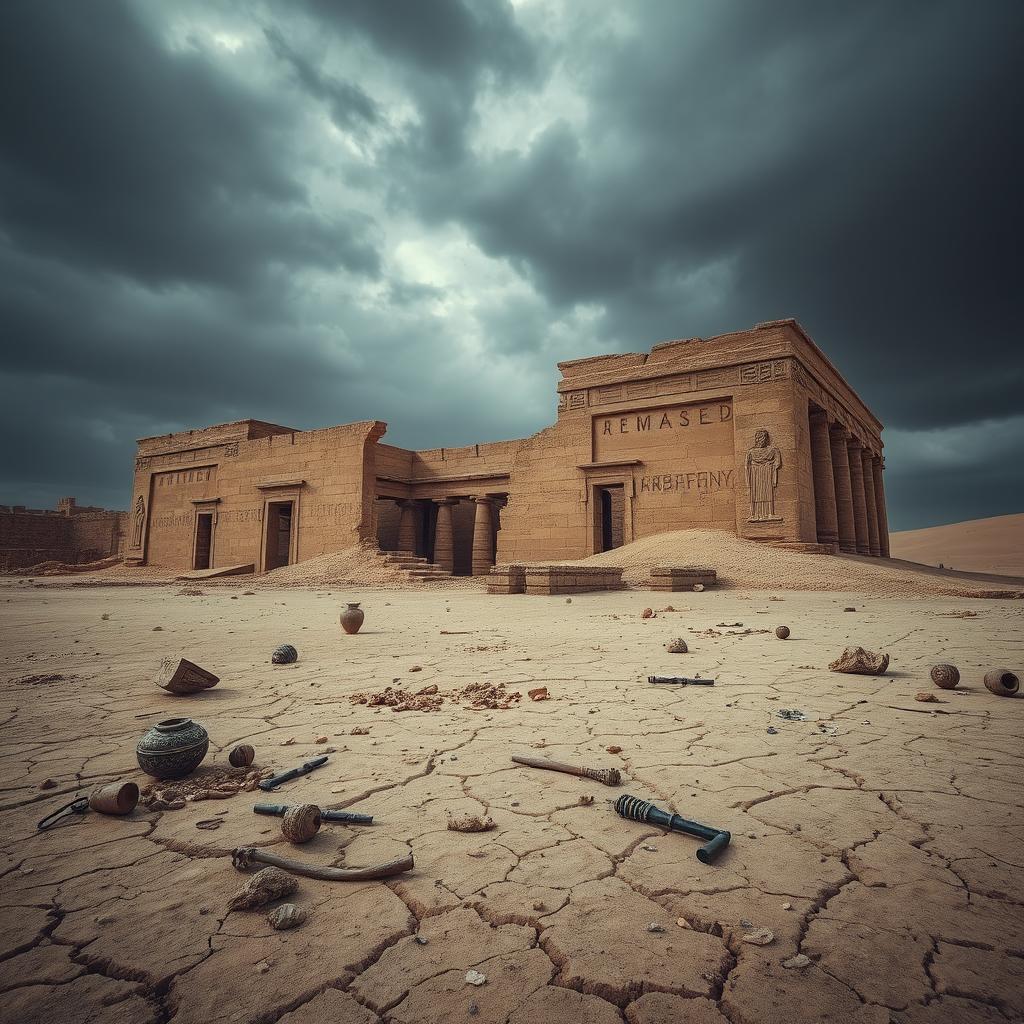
(236, 430)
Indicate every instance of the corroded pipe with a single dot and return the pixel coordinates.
(245, 856)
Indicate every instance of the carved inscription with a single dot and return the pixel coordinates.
(763, 373)
(701, 480)
(141, 464)
(666, 419)
(173, 520)
(328, 510)
(184, 477)
(578, 400)
(253, 514)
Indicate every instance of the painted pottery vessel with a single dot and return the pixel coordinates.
(352, 618)
(284, 655)
(172, 748)
(1002, 682)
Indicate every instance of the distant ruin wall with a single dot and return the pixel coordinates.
(29, 536)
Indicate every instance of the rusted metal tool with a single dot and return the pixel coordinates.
(641, 810)
(609, 776)
(681, 680)
(280, 810)
(267, 785)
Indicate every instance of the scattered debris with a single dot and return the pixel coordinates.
(782, 632)
(585, 800)
(475, 978)
(189, 592)
(647, 613)
(360, 730)
(471, 823)
(827, 729)
(791, 714)
(183, 677)
(797, 962)
(678, 646)
(945, 676)
(427, 691)
(210, 823)
(264, 887)
(849, 609)
(416, 668)
(858, 661)
(613, 749)
(43, 680)
(925, 697)
(284, 655)
(286, 916)
(772, 731)
(760, 937)
(539, 693)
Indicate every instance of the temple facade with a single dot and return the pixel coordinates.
(754, 432)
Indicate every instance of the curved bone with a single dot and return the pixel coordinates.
(245, 856)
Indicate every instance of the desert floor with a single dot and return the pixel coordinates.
(881, 838)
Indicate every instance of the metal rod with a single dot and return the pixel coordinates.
(680, 681)
(268, 785)
(280, 810)
(609, 776)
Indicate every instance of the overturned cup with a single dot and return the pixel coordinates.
(114, 798)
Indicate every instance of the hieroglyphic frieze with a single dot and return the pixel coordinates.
(764, 373)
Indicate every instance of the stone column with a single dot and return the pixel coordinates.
(844, 493)
(883, 516)
(444, 544)
(407, 527)
(860, 501)
(872, 504)
(825, 513)
(483, 537)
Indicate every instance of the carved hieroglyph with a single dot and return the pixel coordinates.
(763, 463)
(140, 522)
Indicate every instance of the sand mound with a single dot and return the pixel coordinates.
(978, 545)
(52, 568)
(746, 563)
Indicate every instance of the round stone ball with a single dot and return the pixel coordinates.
(241, 756)
(301, 823)
(782, 632)
(284, 655)
(945, 676)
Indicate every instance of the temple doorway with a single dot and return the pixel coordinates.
(279, 534)
(204, 540)
(612, 508)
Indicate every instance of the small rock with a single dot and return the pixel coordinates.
(586, 800)
(286, 916)
(263, 967)
(421, 940)
(782, 632)
(678, 646)
(288, 742)
(568, 600)
(681, 922)
(927, 698)
(320, 739)
(797, 962)
(360, 730)
(744, 923)
(475, 978)
(416, 668)
(760, 937)
(698, 588)
(787, 906)
(772, 731)
(858, 661)
(47, 784)
(649, 849)
(158, 629)
(539, 693)
(655, 928)
(849, 609)
(647, 613)
(473, 1009)
(613, 749)
(540, 905)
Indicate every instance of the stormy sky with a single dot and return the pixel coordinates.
(328, 210)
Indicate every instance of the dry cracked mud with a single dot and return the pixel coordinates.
(879, 840)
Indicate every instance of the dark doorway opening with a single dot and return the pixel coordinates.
(279, 534)
(613, 507)
(204, 540)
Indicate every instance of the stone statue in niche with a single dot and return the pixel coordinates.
(763, 464)
(140, 522)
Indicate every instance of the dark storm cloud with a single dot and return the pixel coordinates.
(321, 212)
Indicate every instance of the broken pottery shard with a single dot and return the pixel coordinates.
(760, 937)
(264, 887)
(183, 677)
(858, 661)
(797, 962)
(539, 693)
(471, 823)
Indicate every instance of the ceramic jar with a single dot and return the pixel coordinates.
(172, 748)
(352, 618)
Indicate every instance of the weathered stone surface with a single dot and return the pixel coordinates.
(980, 974)
(90, 999)
(601, 945)
(859, 661)
(662, 1008)
(330, 1006)
(553, 1005)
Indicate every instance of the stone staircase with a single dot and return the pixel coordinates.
(415, 567)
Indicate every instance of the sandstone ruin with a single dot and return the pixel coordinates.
(753, 432)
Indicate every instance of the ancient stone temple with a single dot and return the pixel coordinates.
(754, 432)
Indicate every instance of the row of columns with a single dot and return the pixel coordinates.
(849, 498)
(444, 534)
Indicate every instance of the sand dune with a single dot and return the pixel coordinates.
(978, 545)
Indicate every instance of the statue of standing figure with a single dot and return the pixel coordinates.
(763, 463)
(140, 522)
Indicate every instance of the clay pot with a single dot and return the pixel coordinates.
(782, 632)
(1002, 682)
(114, 798)
(241, 756)
(352, 618)
(172, 748)
(945, 676)
(301, 823)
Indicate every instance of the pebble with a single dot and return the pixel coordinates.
(760, 937)
(797, 962)
(475, 978)
(655, 928)
(787, 906)
(649, 849)
(421, 940)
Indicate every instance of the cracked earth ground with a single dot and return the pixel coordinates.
(888, 853)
